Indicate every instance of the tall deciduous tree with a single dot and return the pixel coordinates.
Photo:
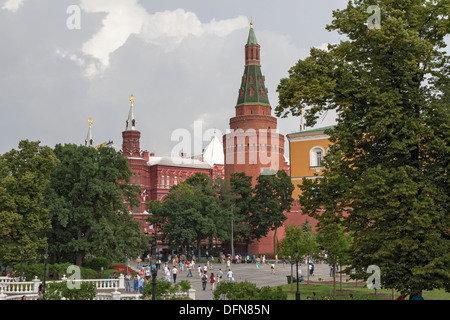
(241, 187)
(333, 238)
(292, 245)
(24, 174)
(386, 175)
(271, 200)
(189, 214)
(89, 203)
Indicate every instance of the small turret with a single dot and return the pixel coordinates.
(89, 142)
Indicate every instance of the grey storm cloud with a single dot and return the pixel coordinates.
(182, 60)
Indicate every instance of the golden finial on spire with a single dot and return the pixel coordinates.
(90, 122)
(132, 100)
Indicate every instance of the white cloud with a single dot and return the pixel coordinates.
(13, 5)
(178, 24)
(127, 17)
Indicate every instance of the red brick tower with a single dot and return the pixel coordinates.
(253, 144)
(137, 158)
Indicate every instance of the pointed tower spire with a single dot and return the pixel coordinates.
(253, 89)
(251, 36)
(131, 136)
(252, 48)
(89, 141)
(131, 122)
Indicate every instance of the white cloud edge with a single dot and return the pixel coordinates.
(13, 5)
(127, 17)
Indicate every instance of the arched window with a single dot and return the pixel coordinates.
(316, 156)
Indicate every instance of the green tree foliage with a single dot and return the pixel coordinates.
(24, 174)
(164, 289)
(334, 239)
(86, 198)
(241, 188)
(271, 199)
(190, 213)
(59, 290)
(245, 290)
(386, 175)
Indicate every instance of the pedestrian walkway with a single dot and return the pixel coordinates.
(261, 276)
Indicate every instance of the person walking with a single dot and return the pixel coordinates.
(212, 280)
(136, 283)
(311, 269)
(128, 282)
(219, 275)
(204, 280)
(41, 290)
(230, 275)
(141, 285)
(272, 267)
(174, 274)
(167, 273)
(189, 269)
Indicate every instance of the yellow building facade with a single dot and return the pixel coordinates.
(307, 150)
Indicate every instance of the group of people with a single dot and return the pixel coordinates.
(417, 296)
(203, 274)
(140, 279)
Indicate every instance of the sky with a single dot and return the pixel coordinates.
(63, 62)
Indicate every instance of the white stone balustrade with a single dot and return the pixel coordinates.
(11, 290)
(20, 287)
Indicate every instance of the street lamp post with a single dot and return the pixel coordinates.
(232, 240)
(21, 260)
(154, 273)
(45, 266)
(297, 294)
(126, 260)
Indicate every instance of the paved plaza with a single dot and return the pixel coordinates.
(243, 271)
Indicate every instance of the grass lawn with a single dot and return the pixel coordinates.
(324, 291)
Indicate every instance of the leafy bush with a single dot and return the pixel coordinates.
(57, 291)
(87, 273)
(227, 290)
(165, 288)
(31, 270)
(97, 263)
(184, 285)
(60, 269)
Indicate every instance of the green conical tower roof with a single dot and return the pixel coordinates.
(251, 36)
(253, 89)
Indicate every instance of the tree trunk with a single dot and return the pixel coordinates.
(79, 258)
(275, 242)
(199, 249)
(307, 270)
(334, 280)
(292, 278)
